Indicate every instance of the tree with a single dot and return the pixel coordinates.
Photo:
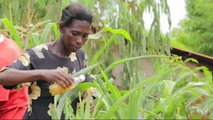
(196, 31)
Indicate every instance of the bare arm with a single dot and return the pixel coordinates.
(13, 77)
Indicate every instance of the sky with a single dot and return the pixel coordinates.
(178, 12)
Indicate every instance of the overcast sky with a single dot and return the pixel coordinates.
(177, 10)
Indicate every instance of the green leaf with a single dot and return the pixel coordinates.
(134, 101)
(56, 30)
(112, 88)
(87, 108)
(68, 110)
(119, 31)
(124, 60)
(197, 84)
(99, 52)
(207, 73)
(46, 32)
(109, 41)
(85, 70)
(13, 32)
(191, 60)
(34, 40)
(83, 86)
(113, 108)
(169, 86)
(150, 113)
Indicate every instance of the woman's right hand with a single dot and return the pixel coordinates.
(58, 76)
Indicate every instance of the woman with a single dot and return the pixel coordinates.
(51, 62)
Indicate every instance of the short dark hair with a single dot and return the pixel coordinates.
(75, 11)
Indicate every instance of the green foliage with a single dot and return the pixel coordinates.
(31, 38)
(14, 33)
(31, 10)
(171, 93)
(128, 15)
(109, 41)
(196, 31)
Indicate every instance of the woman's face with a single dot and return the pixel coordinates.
(75, 35)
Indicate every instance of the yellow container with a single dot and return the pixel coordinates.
(56, 89)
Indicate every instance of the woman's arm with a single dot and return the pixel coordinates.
(12, 77)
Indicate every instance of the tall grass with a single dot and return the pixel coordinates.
(171, 92)
(30, 37)
(127, 15)
(28, 12)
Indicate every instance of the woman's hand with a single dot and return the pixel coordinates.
(58, 76)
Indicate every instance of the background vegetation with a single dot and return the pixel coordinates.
(118, 38)
(195, 31)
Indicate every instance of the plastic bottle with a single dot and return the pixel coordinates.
(56, 89)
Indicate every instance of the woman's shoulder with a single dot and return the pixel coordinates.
(40, 47)
(38, 51)
(80, 52)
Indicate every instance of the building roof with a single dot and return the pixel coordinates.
(203, 60)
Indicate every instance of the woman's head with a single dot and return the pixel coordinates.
(75, 11)
(75, 26)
